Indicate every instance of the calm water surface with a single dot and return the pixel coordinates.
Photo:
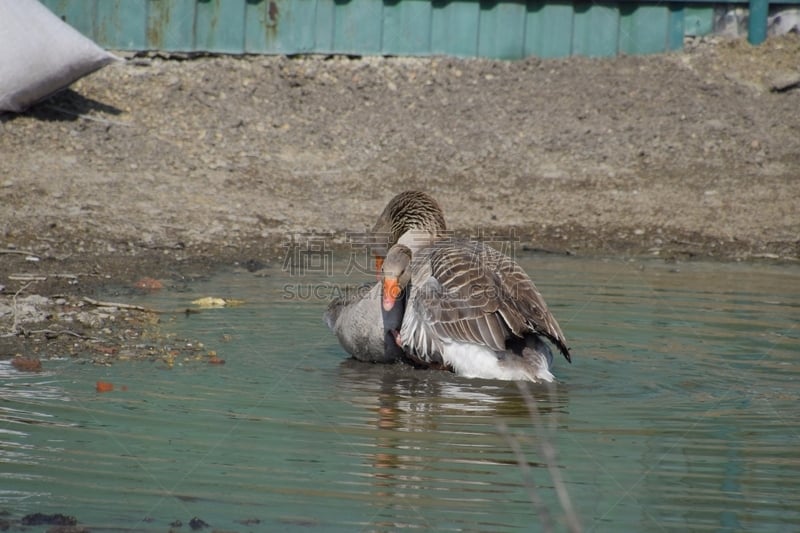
(679, 412)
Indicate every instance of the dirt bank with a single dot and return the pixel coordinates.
(166, 167)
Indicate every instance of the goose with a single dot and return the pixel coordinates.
(458, 305)
(469, 308)
(413, 218)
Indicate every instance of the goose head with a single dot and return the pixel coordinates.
(396, 275)
(412, 218)
(396, 280)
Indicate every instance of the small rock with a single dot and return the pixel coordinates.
(784, 81)
(196, 523)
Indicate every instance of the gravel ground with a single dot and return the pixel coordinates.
(169, 167)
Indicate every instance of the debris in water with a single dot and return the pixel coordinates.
(58, 519)
(27, 364)
(211, 302)
(104, 386)
(149, 284)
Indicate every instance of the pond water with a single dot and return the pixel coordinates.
(680, 411)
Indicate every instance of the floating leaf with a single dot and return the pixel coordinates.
(210, 302)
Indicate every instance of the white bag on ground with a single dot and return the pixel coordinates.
(40, 54)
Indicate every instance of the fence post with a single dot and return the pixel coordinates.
(757, 21)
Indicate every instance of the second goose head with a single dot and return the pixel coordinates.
(396, 284)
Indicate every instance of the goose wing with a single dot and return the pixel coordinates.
(470, 292)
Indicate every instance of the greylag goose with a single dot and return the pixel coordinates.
(448, 304)
(413, 218)
(467, 307)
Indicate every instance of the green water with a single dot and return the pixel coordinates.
(679, 412)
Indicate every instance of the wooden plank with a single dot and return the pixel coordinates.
(595, 30)
(170, 25)
(407, 27)
(548, 30)
(643, 28)
(357, 27)
(454, 28)
(219, 26)
(121, 24)
(501, 30)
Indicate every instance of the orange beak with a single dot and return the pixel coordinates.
(391, 291)
(378, 265)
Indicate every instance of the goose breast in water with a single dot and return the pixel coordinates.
(414, 218)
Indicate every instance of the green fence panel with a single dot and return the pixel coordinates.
(261, 27)
(121, 24)
(549, 30)
(218, 25)
(357, 26)
(324, 17)
(454, 28)
(77, 13)
(170, 25)
(285, 27)
(501, 30)
(406, 27)
(643, 29)
(698, 20)
(595, 30)
(507, 29)
(676, 25)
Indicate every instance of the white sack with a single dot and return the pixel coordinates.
(40, 54)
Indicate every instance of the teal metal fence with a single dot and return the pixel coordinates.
(482, 28)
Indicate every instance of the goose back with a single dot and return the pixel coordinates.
(468, 292)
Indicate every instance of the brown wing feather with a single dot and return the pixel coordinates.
(529, 304)
(470, 292)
